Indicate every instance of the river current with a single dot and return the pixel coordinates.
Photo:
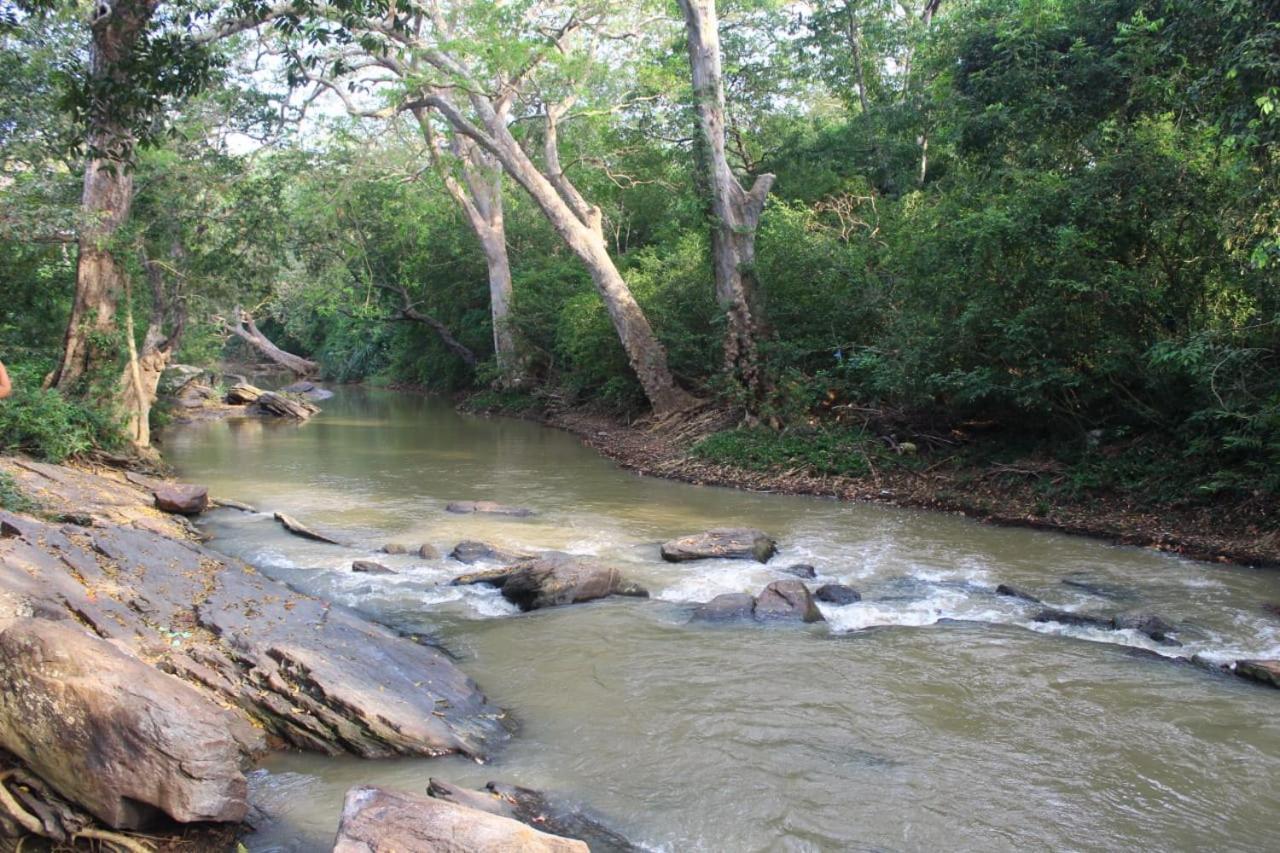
(933, 714)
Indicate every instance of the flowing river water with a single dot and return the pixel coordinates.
(933, 714)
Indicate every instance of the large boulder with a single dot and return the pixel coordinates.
(181, 498)
(535, 809)
(730, 544)
(785, 600)
(554, 579)
(377, 820)
(487, 508)
(789, 599)
(125, 741)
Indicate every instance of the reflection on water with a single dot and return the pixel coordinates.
(933, 713)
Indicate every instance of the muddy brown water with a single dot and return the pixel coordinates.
(933, 714)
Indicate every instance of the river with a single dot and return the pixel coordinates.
(933, 714)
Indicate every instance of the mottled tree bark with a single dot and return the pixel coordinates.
(142, 375)
(579, 225)
(735, 210)
(107, 195)
(479, 194)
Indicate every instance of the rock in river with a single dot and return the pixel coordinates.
(1010, 591)
(181, 498)
(535, 809)
(378, 820)
(801, 570)
(297, 528)
(1068, 617)
(370, 567)
(732, 544)
(1264, 671)
(553, 579)
(487, 508)
(470, 551)
(837, 593)
(107, 731)
(779, 601)
(787, 600)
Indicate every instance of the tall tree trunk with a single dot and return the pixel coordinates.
(579, 225)
(107, 194)
(479, 194)
(247, 330)
(736, 211)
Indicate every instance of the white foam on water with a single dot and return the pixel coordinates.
(706, 581)
(872, 613)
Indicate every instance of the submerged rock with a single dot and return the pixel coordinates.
(123, 740)
(181, 498)
(469, 551)
(379, 820)
(297, 528)
(553, 579)
(1011, 591)
(837, 593)
(428, 552)
(726, 543)
(1263, 671)
(786, 600)
(394, 548)
(1068, 617)
(227, 503)
(1146, 623)
(535, 809)
(370, 567)
(1100, 589)
(801, 570)
(487, 508)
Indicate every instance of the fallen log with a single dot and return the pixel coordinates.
(284, 406)
(297, 528)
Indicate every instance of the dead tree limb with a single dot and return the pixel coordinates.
(246, 329)
(408, 310)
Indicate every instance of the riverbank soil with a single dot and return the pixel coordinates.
(964, 475)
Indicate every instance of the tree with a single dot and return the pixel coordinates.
(736, 211)
(475, 95)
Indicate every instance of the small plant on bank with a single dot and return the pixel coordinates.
(12, 497)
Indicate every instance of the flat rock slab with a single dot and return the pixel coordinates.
(552, 580)
(109, 732)
(1263, 671)
(727, 543)
(297, 528)
(181, 498)
(314, 675)
(378, 820)
(487, 508)
(536, 809)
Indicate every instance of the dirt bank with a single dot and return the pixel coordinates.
(997, 494)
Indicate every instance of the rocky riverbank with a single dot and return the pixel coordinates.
(141, 672)
(1214, 532)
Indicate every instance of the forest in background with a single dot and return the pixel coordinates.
(997, 230)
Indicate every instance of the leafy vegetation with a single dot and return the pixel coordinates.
(1055, 218)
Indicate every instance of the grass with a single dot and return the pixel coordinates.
(12, 497)
(839, 452)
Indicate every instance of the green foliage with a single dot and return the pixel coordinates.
(46, 425)
(836, 451)
(13, 498)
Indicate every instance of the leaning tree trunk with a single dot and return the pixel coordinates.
(107, 194)
(736, 211)
(142, 374)
(479, 194)
(247, 330)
